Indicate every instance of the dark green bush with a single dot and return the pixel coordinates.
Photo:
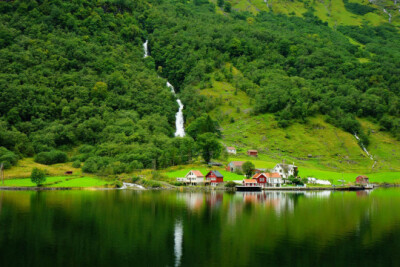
(76, 164)
(51, 157)
(230, 184)
(8, 158)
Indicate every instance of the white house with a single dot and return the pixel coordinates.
(286, 170)
(193, 177)
(231, 150)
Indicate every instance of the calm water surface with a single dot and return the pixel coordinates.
(118, 228)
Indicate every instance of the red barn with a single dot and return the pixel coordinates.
(361, 179)
(214, 178)
(252, 152)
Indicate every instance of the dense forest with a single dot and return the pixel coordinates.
(293, 67)
(74, 81)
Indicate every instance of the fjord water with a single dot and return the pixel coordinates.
(159, 228)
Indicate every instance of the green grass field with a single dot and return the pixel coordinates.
(58, 181)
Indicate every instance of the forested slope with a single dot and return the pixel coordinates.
(75, 86)
(72, 75)
(296, 68)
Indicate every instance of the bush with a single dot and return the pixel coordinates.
(51, 157)
(230, 184)
(151, 183)
(76, 164)
(135, 180)
(8, 158)
(118, 184)
(38, 176)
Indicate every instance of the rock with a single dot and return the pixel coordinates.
(309, 155)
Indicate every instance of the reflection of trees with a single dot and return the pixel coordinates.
(168, 228)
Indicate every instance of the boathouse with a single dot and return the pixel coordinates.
(362, 180)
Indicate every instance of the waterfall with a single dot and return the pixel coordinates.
(179, 121)
(146, 49)
(363, 147)
(178, 238)
(390, 15)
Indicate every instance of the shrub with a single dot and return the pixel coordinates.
(118, 184)
(8, 158)
(151, 183)
(76, 164)
(230, 184)
(51, 157)
(38, 176)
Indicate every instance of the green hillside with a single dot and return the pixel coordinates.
(335, 12)
(295, 82)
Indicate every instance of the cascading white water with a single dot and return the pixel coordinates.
(363, 147)
(129, 185)
(179, 121)
(146, 49)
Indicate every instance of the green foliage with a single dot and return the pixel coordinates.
(209, 146)
(118, 184)
(357, 8)
(248, 168)
(8, 158)
(230, 184)
(151, 183)
(76, 164)
(51, 157)
(38, 176)
(203, 124)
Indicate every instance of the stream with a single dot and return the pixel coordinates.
(179, 120)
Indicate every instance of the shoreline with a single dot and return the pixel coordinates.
(196, 189)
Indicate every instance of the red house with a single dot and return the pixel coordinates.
(214, 178)
(252, 153)
(261, 179)
(361, 179)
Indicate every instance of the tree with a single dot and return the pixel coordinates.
(220, 3)
(38, 176)
(228, 7)
(248, 168)
(209, 146)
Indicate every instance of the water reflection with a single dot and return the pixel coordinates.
(199, 229)
(178, 237)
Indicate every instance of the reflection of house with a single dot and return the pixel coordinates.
(214, 178)
(249, 182)
(268, 179)
(231, 150)
(252, 152)
(234, 166)
(285, 170)
(363, 180)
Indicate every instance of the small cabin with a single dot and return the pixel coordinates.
(249, 182)
(363, 180)
(252, 153)
(68, 173)
(234, 166)
(214, 178)
(231, 150)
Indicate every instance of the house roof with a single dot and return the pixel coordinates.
(256, 175)
(237, 163)
(248, 181)
(273, 175)
(362, 176)
(217, 173)
(231, 148)
(197, 173)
